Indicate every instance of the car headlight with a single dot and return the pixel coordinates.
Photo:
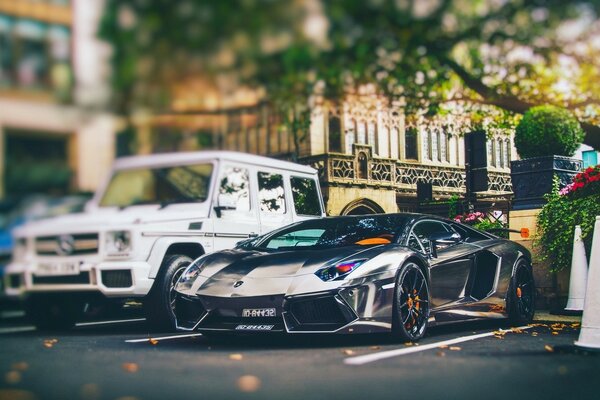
(339, 271)
(118, 242)
(189, 276)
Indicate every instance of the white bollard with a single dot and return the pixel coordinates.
(579, 271)
(589, 337)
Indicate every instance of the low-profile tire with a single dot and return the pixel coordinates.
(521, 295)
(51, 312)
(159, 305)
(411, 303)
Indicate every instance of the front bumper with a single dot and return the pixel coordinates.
(111, 278)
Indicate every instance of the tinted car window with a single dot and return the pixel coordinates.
(469, 234)
(271, 195)
(306, 196)
(423, 230)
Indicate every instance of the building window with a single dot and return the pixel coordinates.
(498, 153)
(363, 166)
(590, 158)
(361, 133)
(335, 134)
(372, 136)
(444, 145)
(507, 153)
(426, 139)
(350, 136)
(491, 152)
(434, 143)
(410, 144)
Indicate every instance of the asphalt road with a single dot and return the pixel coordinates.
(96, 362)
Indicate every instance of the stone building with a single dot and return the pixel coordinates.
(369, 154)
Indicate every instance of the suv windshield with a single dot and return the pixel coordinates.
(334, 232)
(165, 185)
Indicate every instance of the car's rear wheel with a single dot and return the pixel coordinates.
(521, 295)
(411, 303)
(160, 303)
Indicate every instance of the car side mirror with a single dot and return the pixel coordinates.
(224, 202)
(444, 238)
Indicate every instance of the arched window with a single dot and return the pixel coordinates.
(490, 151)
(500, 150)
(372, 136)
(434, 143)
(497, 154)
(363, 166)
(443, 140)
(426, 140)
(507, 153)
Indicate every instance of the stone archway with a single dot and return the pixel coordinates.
(362, 207)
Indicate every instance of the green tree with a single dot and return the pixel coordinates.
(508, 54)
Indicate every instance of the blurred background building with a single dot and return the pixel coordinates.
(55, 136)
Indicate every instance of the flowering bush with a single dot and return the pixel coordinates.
(479, 221)
(576, 204)
(585, 183)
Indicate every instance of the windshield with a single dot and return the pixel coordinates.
(165, 185)
(335, 232)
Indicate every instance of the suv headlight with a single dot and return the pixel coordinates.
(20, 249)
(118, 242)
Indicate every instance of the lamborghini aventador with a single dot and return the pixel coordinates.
(396, 273)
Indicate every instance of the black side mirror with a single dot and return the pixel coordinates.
(447, 238)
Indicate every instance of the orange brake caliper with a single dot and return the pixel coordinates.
(519, 293)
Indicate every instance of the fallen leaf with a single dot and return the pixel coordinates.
(408, 343)
(562, 370)
(235, 357)
(375, 347)
(455, 348)
(575, 325)
(90, 391)
(248, 383)
(348, 352)
(153, 341)
(48, 345)
(12, 377)
(555, 333)
(20, 366)
(441, 354)
(534, 333)
(549, 348)
(131, 367)
(444, 346)
(14, 394)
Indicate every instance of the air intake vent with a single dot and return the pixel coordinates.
(117, 278)
(322, 310)
(82, 279)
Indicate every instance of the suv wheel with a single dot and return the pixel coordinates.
(160, 303)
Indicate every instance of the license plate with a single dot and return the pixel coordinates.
(254, 327)
(258, 312)
(64, 268)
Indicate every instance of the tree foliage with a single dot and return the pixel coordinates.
(548, 130)
(511, 54)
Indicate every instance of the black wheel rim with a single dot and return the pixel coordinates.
(172, 292)
(413, 301)
(524, 292)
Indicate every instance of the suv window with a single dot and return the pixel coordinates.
(306, 196)
(271, 195)
(235, 184)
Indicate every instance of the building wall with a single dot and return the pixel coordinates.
(340, 197)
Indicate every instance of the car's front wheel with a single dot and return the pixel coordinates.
(411, 303)
(160, 302)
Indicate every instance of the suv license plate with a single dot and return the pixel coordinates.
(258, 312)
(64, 268)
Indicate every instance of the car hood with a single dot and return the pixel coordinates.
(264, 273)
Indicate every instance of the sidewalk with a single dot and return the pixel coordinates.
(545, 316)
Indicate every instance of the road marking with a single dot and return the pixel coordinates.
(163, 338)
(12, 314)
(17, 329)
(369, 358)
(119, 321)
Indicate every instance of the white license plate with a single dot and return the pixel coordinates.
(62, 268)
(258, 312)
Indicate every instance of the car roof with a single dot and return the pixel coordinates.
(167, 159)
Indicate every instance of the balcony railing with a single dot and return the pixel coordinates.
(400, 176)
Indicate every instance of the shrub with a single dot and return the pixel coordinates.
(565, 209)
(548, 130)
(479, 221)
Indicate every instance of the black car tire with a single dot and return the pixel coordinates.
(411, 303)
(52, 312)
(159, 305)
(521, 294)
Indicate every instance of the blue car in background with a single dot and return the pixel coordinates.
(32, 208)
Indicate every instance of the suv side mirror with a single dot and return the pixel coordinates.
(447, 238)
(224, 202)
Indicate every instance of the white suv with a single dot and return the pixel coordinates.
(150, 220)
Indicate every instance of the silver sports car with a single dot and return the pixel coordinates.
(379, 273)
